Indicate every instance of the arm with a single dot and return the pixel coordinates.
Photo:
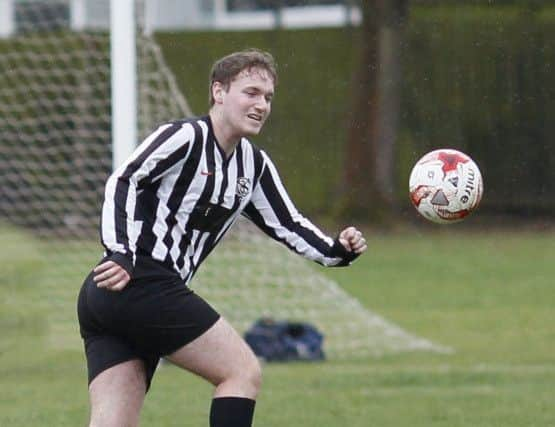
(273, 212)
(163, 151)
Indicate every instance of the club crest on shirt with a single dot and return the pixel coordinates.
(243, 187)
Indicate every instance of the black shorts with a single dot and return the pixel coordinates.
(153, 316)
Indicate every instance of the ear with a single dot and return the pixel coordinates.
(218, 92)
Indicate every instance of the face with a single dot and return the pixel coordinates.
(246, 104)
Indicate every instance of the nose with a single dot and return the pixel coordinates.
(262, 104)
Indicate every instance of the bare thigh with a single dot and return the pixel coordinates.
(117, 395)
(222, 357)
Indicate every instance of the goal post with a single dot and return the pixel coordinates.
(7, 18)
(63, 97)
(124, 79)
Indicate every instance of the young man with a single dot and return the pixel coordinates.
(165, 209)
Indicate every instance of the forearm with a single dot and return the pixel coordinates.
(117, 213)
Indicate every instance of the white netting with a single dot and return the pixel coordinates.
(55, 156)
(261, 278)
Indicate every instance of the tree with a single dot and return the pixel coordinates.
(368, 182)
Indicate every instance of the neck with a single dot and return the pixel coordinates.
(223, 133)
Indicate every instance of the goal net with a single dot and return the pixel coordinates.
(55, 155)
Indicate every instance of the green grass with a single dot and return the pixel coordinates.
(490, 296)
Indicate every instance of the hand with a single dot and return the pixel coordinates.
(352, 240)
(111, 276)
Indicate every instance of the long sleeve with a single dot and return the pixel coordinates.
(163, 151)
(271, 209)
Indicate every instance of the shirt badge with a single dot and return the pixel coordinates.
(243, 187)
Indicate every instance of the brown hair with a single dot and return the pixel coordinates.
(227, 68)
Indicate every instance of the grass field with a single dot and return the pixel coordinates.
(490, 296)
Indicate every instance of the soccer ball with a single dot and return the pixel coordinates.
(445, 186)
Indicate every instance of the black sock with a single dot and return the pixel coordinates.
(231, 412)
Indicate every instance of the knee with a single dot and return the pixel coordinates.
(255, 375)
(247, 377)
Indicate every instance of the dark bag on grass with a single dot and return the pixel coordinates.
(282, 341)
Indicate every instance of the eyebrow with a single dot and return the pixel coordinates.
(256, 88)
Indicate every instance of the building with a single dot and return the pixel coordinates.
(180, 15)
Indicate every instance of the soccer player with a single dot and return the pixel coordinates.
(165, 209)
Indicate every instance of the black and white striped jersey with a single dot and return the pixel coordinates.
(177, 195)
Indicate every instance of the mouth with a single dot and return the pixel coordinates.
(256, 117)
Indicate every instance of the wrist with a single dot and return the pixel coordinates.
(339, 251)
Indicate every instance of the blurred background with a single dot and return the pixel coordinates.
(365, 89)
(435, 326)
